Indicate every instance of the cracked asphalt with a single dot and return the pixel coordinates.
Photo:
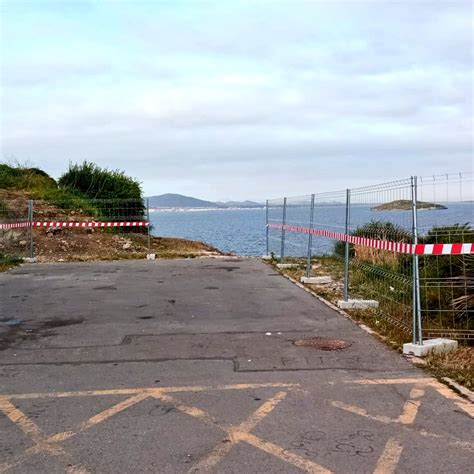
(189, 366)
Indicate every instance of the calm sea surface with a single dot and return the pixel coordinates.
(242, 231)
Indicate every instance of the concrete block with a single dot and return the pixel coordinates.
(150, 256)
(287, 265)
(319, 280)
(357, 304)
(435, 345)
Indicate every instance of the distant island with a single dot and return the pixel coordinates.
(406, 205)
(178, 201)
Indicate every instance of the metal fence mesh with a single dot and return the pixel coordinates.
(430, 295)
(72, 229)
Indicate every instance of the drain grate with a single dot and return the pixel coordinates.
(323, 343)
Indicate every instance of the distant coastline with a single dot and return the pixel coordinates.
(202, 209)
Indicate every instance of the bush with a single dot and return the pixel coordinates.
(375, 230)
(94, 182)
(22, 178)
(447, 280)
(99, 185)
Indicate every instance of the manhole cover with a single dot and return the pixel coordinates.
(323, 343)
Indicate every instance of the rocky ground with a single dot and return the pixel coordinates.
(56, 244)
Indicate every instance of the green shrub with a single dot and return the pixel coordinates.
(447, 280)
(113, 194)
(94, 182)
(22, 178)
(375, 230)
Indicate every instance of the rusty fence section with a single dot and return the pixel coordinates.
(376, 244)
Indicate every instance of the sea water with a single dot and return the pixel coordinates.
(242, 231)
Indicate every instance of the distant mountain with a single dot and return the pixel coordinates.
(180, 201)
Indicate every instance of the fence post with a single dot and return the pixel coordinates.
(267, 247)
(416, 300)
(30, 221)
(148, 227)
(282, 251)
(310, 237)
(346, 247)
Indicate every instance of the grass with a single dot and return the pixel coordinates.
(457, 365)
(8, 261)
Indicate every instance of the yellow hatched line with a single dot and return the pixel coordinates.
(131, 391)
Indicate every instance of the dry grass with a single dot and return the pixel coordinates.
(457, 365)
(376, 257)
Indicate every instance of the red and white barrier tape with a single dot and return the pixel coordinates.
(14, 225)
(400, 247)
(69, 224)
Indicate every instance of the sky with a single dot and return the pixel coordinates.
(238, 99)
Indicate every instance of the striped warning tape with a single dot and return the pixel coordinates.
(14, 225)
(400, 247)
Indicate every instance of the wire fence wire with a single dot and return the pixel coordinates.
(41, 227)
(426, 295)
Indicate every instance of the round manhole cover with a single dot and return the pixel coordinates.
(323, 343)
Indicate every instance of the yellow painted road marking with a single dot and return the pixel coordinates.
(241, 433)
(362, 412)
(283, 454)
(388, 462)
(77, 469)
(29, 427)
(235, 434)
(102, 416)
(43, 443)
(410, 409)
(461, 403)
(188, 410)
(442, 389)
(221, 450)
(131, 391)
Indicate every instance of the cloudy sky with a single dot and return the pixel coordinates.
(239, 99)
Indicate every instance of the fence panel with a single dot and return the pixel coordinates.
(382, 239)
(74, 229)
(447, 280)
(383, 213)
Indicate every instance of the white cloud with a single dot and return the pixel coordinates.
(194, 93)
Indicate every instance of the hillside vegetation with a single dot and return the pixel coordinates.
(406, 205)
(84, 192)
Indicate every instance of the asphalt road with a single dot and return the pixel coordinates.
(189, 366)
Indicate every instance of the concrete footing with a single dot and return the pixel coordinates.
(319, 280)
(430, 345)
(30, 259)
(357, 304)
(287, 265)
(150, 256)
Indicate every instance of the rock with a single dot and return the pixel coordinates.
(13, 234)
(54, 230)
(22, 242)
(127, 245)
